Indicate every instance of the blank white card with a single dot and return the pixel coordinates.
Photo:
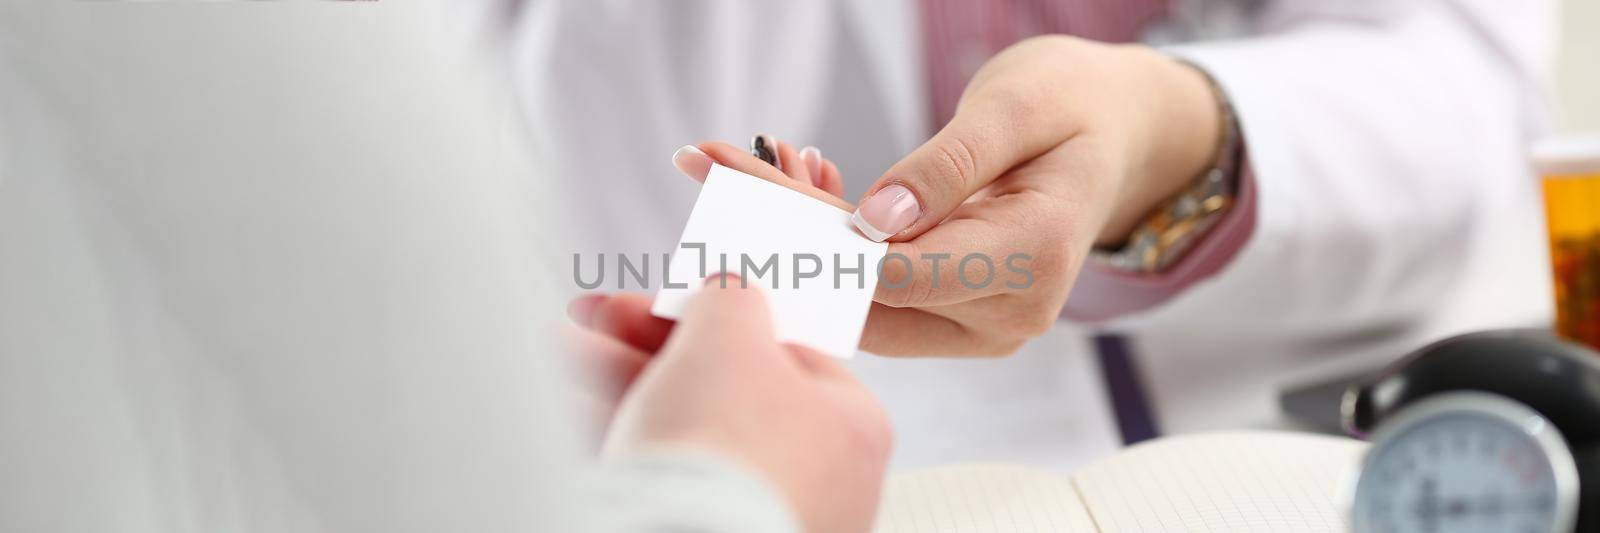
(817, 272)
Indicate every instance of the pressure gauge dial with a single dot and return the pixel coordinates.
(1464, 462)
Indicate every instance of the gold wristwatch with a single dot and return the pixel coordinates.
(1172, 228)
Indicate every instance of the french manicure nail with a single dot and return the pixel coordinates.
(812, 156)
(889, 211)
(692, 162)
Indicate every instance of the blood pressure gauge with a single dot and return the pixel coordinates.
(1490, 432)
(1466, 462)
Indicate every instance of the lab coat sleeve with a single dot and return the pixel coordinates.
(1378, 134)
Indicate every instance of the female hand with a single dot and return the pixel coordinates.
(1058, 144)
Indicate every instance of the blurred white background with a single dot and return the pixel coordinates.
(1578, 67)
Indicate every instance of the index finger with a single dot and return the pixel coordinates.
(960, 260)
(1022, 236)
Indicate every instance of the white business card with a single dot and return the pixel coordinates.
(817, 272)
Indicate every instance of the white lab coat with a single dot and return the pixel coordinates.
(1385, 137)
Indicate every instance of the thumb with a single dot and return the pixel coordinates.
(725, 317)
(988, 136)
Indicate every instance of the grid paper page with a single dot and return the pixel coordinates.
(1235, 482)
(982, 499)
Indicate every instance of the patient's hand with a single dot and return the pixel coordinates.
(722, 382)
(614, 339)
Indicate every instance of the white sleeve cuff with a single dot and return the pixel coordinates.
(690, 490)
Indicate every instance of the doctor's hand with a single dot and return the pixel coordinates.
(1058, 144)
(722, 382)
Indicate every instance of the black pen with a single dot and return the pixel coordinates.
(765, 149)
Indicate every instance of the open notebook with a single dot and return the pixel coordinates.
(1233, 482)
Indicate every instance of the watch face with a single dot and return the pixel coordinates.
(1466, 462)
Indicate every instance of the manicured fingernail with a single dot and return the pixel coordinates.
(812, 157)
(581, 309)
(692, 162)
(889, 211)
